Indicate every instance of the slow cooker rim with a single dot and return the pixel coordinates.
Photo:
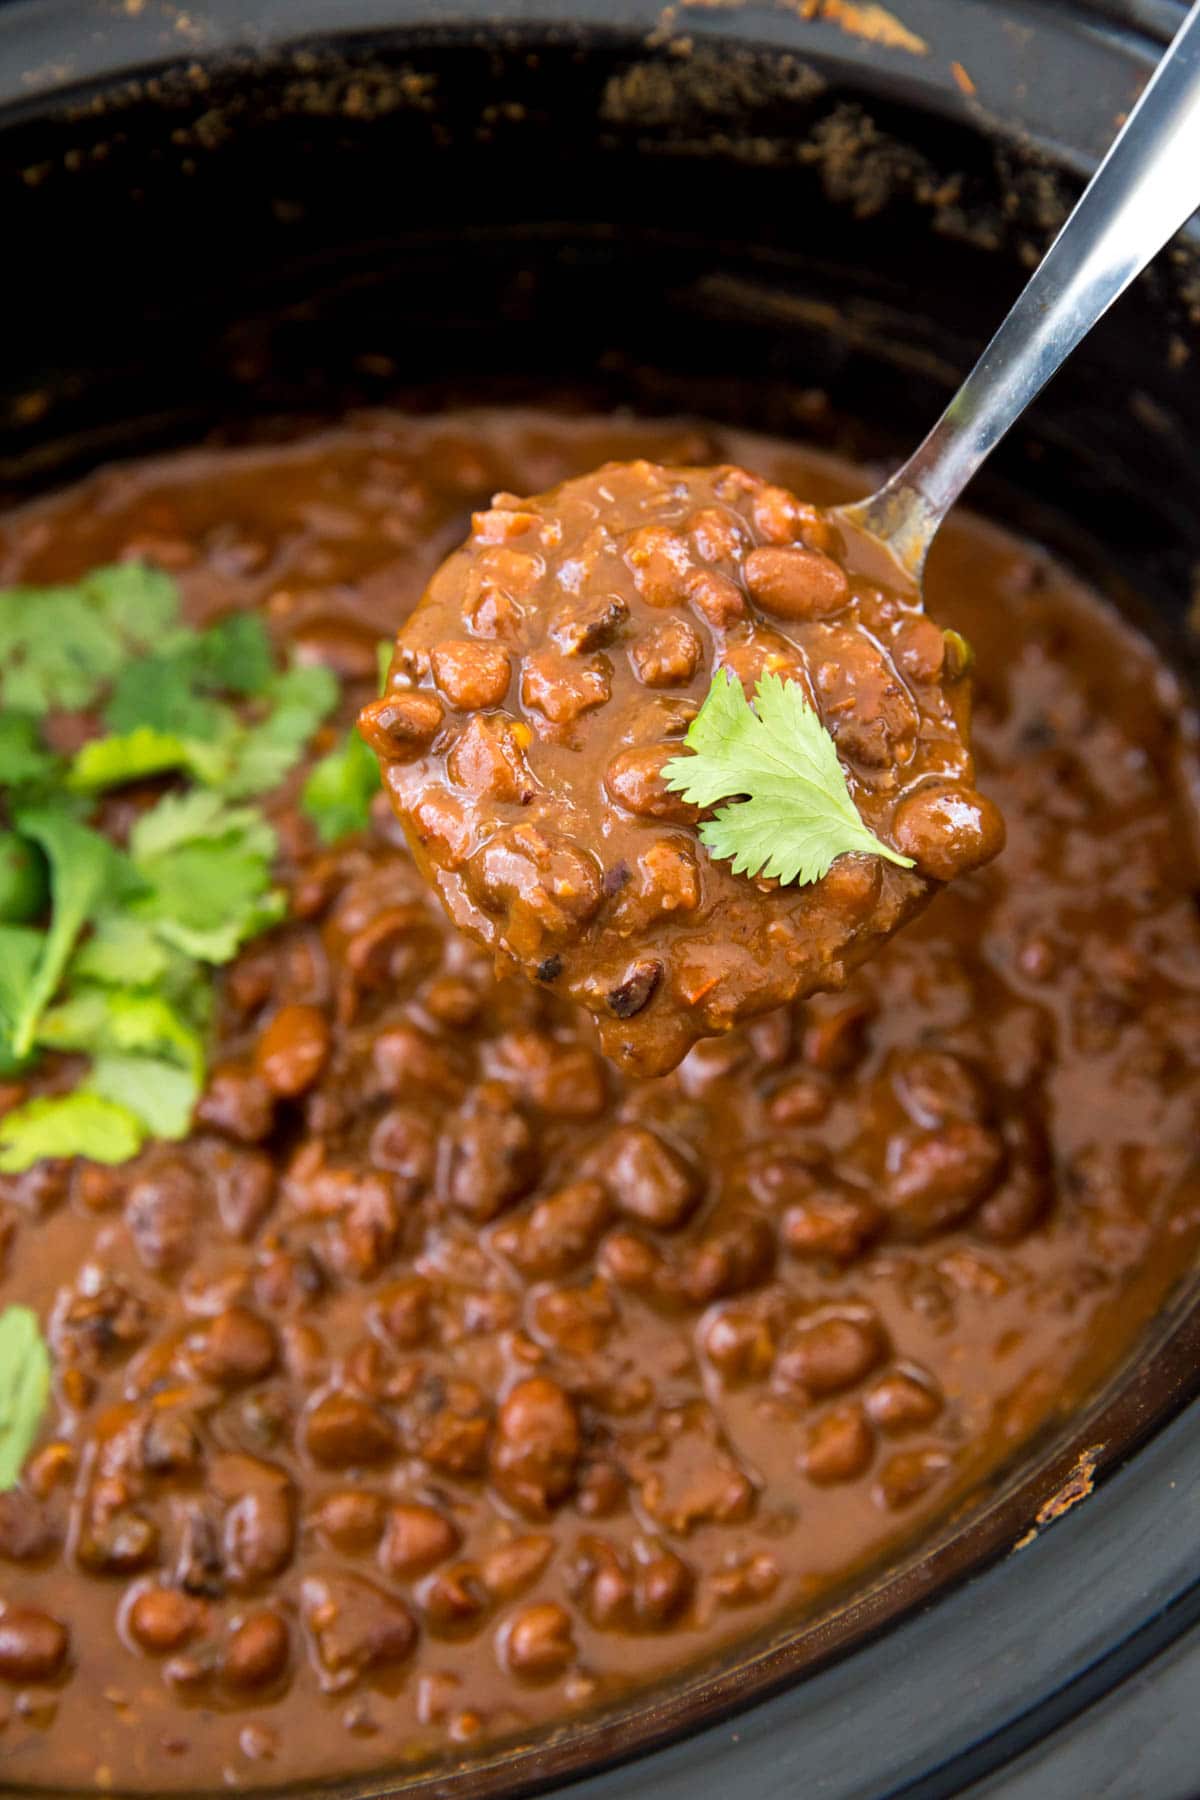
(1075, 1666)
(44, 57)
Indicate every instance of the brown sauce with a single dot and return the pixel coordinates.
(541, 696)
(447, 1383)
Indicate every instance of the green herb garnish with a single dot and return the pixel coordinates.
(106, 953)
(338, 793)
(24, 1388)
(62, 646)
(796, 816)
(86, 874)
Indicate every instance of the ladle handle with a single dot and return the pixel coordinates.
(1147, 187)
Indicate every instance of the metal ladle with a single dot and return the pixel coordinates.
(1147, 187)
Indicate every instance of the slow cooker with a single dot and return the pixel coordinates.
(784, 215)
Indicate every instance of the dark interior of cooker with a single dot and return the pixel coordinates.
(724, 231)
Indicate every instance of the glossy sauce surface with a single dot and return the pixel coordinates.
(536, 709)
(448, 1384)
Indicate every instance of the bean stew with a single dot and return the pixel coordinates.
(442, 1381)
(534, 715)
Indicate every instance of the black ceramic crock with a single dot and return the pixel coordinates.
(225, 210)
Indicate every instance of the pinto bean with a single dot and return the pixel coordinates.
(663, 1588)
(794, 582)
(739, 1343)
(947, 830)
(238, 1102)
(514, 1566)
(838, 1224)
(163, 1215)
(900, 1402)
(454, 1600)
(161, 1619)
(538, 1644)
(780, 518)
(403, 1312)
(649, 1180)
(750, 1580)
(938, 1177)
(454, 1440)
(559, 1232)
(33, 1645)
(415, 1537)
(350, 1519)
(537, 1447)
(562, 688)
(260, 1526)
(493, 1157)
(832, 1354)
(668, 654)
(718, 534)
(354, 1628)
(26, 1532)
(661, 562)
(908, 1475)
(839, 1447)
(544, 885)
(472, 675)
(919, 649)
(488, 759)
(342, 1432)
(634, 779)
(293, 1049)
(401, 727)
(257, 1652)
(243, 1183)
(933, 1087)
(588, 623)
(728, 1261)
(236, 1346)
(718, 600)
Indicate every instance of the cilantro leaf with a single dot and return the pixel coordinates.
(190, 818)
(338, 793)
(156, 693)
(121, 952)
(20, 950)
(165, 717)
(24, 888)
(797, 816)
(116, 974)
(24, 1388)
(171, 690)
(134, 755)
(300, 699)
(86, 873)
(24, 759)
(60, 646)
(206, 869)
(234, 656)
(55, 650)
(97, 1019)
(75, 1124)
(136, 600)
(159, 1093)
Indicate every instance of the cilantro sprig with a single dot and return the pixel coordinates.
(106, 953)
(24, 1388)
(62, 646)
(340, 788)
(791, 815)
